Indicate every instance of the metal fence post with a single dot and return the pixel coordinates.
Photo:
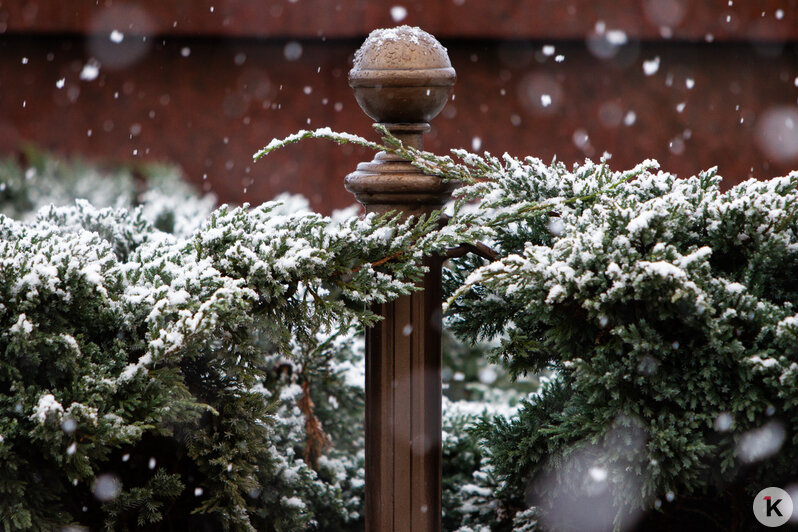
(402, 78)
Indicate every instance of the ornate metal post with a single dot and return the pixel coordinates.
(402, 78)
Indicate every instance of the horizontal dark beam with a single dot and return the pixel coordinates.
(690, 20)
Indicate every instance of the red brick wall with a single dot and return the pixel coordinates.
(209, 91)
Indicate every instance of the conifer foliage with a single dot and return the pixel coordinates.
(665, 310)
(157, 379)
(190, 368)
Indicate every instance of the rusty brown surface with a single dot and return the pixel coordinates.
(407, 76)
(210, 111)
(543, 19)
(403, 412)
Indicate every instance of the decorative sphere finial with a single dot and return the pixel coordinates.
(402, 75)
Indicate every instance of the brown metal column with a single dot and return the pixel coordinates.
(402, 78)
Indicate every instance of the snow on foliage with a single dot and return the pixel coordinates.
(199, 363)
(208, 361)
(662, 301)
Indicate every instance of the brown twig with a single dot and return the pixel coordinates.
(317, 440)
(479, 249)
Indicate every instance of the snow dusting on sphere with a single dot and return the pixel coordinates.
(758, 444)
(387, 49)
(777, 134)
(106, 487)
(292, 51)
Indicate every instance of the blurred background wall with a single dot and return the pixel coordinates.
(204, 84)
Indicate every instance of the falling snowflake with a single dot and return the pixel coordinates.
(616, 37)
(90, 71)
(398, 13)
(292, 51)
(651, 66)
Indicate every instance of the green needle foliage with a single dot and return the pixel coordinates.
(141, 381)
(170, 366)
(663, 312)
(666, 311)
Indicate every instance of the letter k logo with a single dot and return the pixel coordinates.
(772, 506)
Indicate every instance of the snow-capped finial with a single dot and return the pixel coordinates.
(401, 75)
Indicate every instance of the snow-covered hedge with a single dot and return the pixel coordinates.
(663, 311)
(206, 373)
(666, 310)
(149, 376)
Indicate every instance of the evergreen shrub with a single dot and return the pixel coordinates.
(203, 371)
(168, 367)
